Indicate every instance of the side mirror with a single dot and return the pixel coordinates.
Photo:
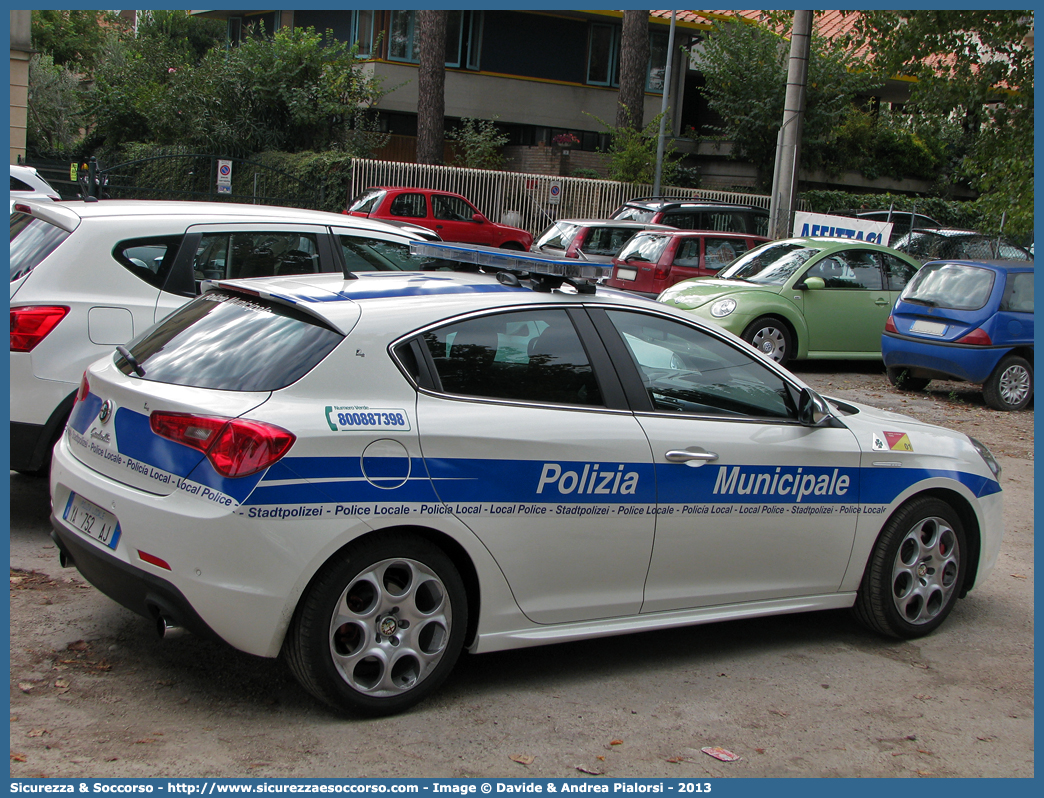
(478, 217)
(813, 411)
(813, 284)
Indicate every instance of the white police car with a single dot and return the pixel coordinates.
(367, 473)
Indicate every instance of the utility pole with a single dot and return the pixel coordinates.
(668, 68)
(788, 146)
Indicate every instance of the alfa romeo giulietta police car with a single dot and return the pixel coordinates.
(368, 473)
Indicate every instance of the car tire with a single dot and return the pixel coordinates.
(513, 245)
(1010, 386)
(900, 378)
(915, 571)
(380, 626)
(772, 337)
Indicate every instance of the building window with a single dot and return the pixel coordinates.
(603, 62)
(402, 43)
(463, 37)
(474, 39)
(657, 61)
(362, 32)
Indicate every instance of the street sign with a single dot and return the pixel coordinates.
(224, 177)
(554, 193)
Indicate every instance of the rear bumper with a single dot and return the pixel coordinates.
(939, 360)
(138, 591)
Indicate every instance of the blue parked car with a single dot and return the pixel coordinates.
(965, 320)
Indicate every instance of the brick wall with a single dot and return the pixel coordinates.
(545, 160)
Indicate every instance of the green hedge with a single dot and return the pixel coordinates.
(948, 212)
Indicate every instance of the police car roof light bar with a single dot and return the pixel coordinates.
(546, 272)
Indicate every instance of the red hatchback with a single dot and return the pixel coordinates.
(655, 260)
(449, 215)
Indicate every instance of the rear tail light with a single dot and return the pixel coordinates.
(977, 337)
(235, 447)
(31, 324)
(890, 325)
(661, 272)
(22, 208)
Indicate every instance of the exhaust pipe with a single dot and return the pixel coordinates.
(65, 560)
(168, 629)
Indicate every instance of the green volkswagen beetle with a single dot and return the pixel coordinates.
(803, 297)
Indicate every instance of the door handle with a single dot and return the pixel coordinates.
(881, 301)
(693, 456)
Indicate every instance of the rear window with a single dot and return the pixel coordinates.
(634, 214)
(366, 202)
(644, 246)
(229, 342)
(559, 236)
(954, 286)
(32, 240)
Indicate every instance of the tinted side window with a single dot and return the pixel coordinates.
(761, 221)
(897, 272)
(528, 356)
(681, 220)
(1018, 293)
(851, 269)
(688, 254)
(18, 185)
(723, 251)
(260, 254)
(686, 370)
(410, 205)
(363, 254)
(149, 259)
(607, 240)
(451, 209)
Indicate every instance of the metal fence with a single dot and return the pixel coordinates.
(526, 200)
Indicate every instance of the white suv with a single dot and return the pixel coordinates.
(88, 276)
(26, 183)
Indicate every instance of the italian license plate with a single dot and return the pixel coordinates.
(928, 328)
(92, 520)
(626, 274)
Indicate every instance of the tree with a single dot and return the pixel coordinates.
(76, 39)
(53, 124)
(296, 91)
(745, 66)
(632, 153)
(634, 62)
(431, 84)
(478, 143)
(976, 67)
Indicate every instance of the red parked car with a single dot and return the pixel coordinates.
(654, 260)
(449, 215)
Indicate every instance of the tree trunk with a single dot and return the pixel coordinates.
(634, 62)
(431, 86)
